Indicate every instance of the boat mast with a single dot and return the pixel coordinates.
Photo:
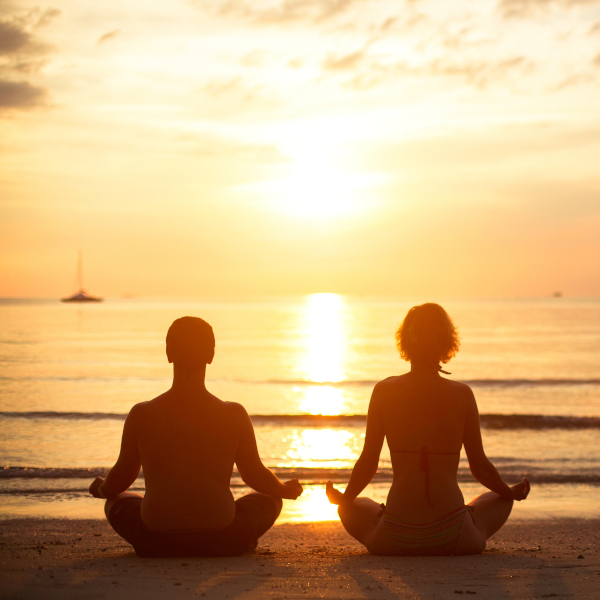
(79, 271)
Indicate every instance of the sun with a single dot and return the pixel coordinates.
(317, 191)
(320, 181)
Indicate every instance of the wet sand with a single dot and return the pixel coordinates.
(85, 559)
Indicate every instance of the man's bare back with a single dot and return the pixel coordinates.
(188, 447)
(187, 441)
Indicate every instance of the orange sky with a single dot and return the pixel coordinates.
(192, 148)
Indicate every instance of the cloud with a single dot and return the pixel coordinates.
(344, 62)
(575, 80)
(20, 95)
(214, 147)
(12, 38)
(371, 73)
(286, 11)
(218, 88)
(108, 36)
(48, 16)
(236, 95)
(596, 61)
(255, 58)
(21, 52)
(524, 8)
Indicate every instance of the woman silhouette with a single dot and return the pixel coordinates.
(426, 419)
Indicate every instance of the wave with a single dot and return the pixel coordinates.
(510, 473)
(488, 421)
(495, 383)
(473, 382)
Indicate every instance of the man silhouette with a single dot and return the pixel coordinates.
(187, 441)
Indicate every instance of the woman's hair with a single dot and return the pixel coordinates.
(427, 334)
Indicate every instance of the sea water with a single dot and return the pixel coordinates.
(304, 368)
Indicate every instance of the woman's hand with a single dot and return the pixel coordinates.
(292, 489)
(521, 490)
(334, 496)
(96, 486)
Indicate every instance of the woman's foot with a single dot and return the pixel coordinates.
(521, 490)
(334, 496)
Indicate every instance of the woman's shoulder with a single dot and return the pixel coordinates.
(390, 385)
(389, 382)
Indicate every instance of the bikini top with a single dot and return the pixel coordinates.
(424, 463)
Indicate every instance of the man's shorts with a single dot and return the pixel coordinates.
(254, 516)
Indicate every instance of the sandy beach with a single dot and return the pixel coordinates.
(85, 559)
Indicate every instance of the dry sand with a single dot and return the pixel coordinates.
(58, 558)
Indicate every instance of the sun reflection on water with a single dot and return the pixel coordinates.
(326, 446)
(323, 400)
(311, 506)
(325, 338)
(322, 362)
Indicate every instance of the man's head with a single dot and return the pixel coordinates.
(190, 343)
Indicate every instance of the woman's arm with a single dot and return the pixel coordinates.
(368, 463)
(481, 467)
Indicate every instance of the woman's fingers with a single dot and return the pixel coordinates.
(334, 496)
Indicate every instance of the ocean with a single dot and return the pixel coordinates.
(304, 368)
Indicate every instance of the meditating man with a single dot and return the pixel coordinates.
(187, 441)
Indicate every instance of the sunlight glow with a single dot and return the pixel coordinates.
(311, 506)
(324, 446)
(317, 192)
(323, 400)
(317, 185)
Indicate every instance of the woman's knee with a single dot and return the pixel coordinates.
(349, 509)
(490, 512)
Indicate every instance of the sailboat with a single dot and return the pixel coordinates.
(81, 295)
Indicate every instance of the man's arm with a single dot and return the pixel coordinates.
(251, 468)
(128, 465)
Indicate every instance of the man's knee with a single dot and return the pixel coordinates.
(107, 506)
(112, 501)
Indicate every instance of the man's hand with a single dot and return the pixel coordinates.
(520, 491)
(291, 489)
(94, 488)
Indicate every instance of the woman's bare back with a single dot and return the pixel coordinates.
(423, 416)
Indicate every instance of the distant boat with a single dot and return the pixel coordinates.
(557, 295)
(81, 295)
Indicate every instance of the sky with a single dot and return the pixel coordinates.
(195, 148)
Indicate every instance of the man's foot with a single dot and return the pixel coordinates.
(334, 496)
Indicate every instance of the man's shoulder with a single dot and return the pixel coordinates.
(142, 408)
(235, 409)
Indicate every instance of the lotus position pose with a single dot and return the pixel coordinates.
(426, 419)
(187, 441)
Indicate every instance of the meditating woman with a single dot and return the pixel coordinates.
(426, 419)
